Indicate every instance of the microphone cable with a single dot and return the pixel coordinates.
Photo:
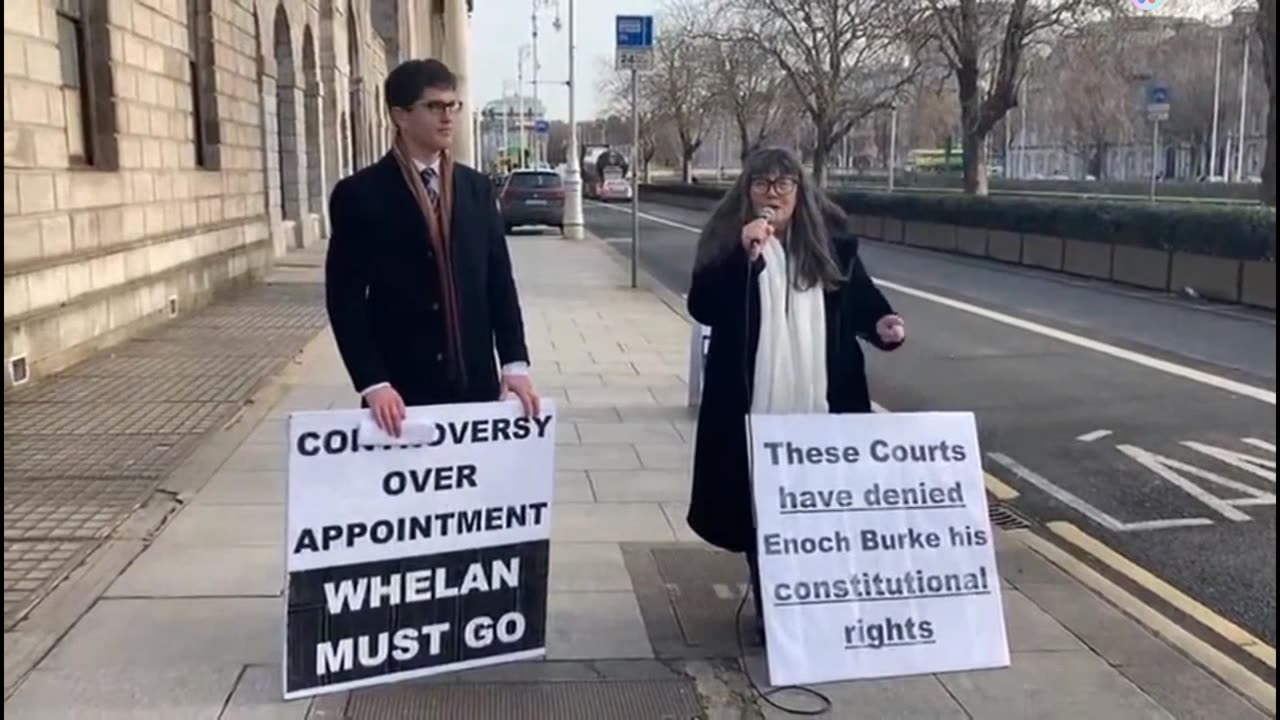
(765, 695)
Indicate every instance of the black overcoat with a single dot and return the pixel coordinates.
(725, 297)
(384, 296)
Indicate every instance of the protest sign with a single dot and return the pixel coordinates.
(876, 551)
(407, 560)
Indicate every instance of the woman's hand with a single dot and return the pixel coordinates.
(754, 235)
(891, 329)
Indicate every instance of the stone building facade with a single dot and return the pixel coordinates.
(158, 152)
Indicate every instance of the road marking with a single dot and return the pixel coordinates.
(1091, 436)
(1231, 672)
(1263, 444)
(1233, 633)
(1168, 468)
(997, 487)
(1182, 371)
(1137, 358)
(1262, 467)
(724, 592)
(1083, 507)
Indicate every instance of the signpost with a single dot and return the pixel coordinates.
(1157, 112)
(634, 52)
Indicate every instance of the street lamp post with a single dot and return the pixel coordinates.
(1217, 90)
(573, 224)
(1244, 107)
(520, 118)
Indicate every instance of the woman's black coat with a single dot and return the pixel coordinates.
(725, 297)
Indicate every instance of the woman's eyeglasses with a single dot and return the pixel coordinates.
(781, 185)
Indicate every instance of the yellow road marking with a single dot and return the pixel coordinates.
(998, 488)
(1231, 672)
(1233, 633)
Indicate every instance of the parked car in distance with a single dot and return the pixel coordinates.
(532, 197)
(615, 188)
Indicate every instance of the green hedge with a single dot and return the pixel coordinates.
(1247, 233)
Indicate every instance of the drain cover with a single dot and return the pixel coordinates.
(689, 597)
(1006, 518)
(706, 587)
(650, 700)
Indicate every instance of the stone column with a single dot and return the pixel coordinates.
(457, 46)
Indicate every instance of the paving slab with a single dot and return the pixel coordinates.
(914, 698)
(588, 567)
(1052, 686)
(653, 486)
(257, 697)
(1167, 676)
(138, 634)
(597, 457)
(1030, 628)
(258, 458)
(668, 456)
(573, 486)
(596, 625)
(677, 514)
(630, 433)
(610, 522)
(226, 525)
(244, 487)
(173, 569)
(122, 691)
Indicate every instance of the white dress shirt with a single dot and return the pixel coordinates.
(515, 368)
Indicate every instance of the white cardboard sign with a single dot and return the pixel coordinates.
(876, 551)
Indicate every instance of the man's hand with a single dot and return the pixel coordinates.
(522, 387)
(891, 329)
(388, 409)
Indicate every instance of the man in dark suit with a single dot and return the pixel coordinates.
(418, 278)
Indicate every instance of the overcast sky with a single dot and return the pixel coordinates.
(499, 27)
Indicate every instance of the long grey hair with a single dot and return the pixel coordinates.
(809, 232)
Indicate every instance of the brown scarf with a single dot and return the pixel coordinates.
(439, 222)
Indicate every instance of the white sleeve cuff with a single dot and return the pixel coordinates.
(516, 368)
(371, 388)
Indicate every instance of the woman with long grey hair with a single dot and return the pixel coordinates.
(778, 280)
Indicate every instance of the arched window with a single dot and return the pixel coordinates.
(88, 94)
(204, 97)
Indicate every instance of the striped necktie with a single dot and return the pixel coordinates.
(428, 180)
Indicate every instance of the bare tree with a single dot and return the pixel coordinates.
(615, 85)
(747, 92)
(842, 58)
(983, 42)
(680, 82)
(1095, 95)
(1266, 29)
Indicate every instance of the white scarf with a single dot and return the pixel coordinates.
(791, 359)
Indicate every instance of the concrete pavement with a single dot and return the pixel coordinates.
(192, 628)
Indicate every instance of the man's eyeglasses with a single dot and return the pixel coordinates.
(438, 107)
(781, 185)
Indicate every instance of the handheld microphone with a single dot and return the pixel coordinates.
(765, 213)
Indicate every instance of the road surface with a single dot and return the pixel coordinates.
(1146, 421)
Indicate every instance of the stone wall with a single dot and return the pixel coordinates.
(158, 152)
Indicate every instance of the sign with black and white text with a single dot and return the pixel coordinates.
(876, 552)
(413, 557)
